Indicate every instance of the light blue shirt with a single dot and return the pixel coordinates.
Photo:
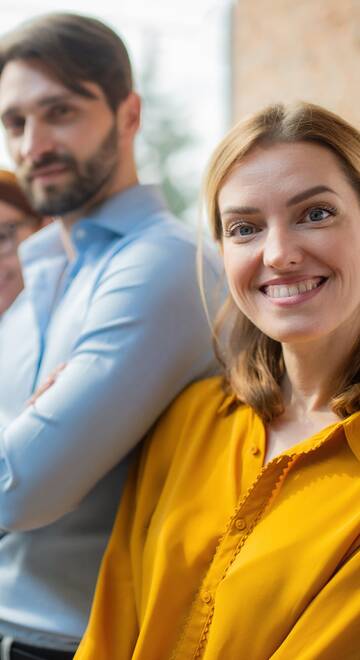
(126, 318)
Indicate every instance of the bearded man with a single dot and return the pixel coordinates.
(111, 293)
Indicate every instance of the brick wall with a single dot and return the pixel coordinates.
(296, 49)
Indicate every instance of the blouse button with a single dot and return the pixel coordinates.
(240, 523)
(206, 597)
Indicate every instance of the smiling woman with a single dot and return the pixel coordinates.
(292, 262)
(239, 532)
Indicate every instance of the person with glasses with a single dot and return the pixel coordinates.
(17, 222)
(111, 292)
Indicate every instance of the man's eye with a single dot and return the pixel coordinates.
(59, 111)
(14, 125)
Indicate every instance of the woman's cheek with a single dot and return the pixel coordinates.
(11, 281)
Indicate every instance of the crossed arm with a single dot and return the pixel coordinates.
(145, 337)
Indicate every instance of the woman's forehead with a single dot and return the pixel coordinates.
(10, 212)
(283, 167)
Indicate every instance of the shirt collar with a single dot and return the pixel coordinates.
(352, 432)
(46, 242)
(125, 211)
(350, 426)
(120, 214)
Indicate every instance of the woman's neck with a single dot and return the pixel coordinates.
(307, 390)
(312, 372)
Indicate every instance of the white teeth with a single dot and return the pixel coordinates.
(293, 290)
(287, 291)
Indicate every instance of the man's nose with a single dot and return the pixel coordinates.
(35, 140)
(282, 248)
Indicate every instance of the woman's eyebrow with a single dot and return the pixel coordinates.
(240, 210)
(315, 190)
(300, 197)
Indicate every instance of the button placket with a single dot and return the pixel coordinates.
(240, 526)
(206, 597)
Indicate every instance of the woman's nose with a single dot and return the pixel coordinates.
(282, 249)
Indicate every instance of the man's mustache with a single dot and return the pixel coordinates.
(30, 171)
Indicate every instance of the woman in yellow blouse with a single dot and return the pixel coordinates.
(238, 534)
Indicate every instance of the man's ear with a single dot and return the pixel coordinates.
(128, 115)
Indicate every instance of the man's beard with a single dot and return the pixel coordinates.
(88, 178)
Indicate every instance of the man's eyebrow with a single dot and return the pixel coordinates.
(240, 210)
(310, 192)
(42, 103)
(56, 98)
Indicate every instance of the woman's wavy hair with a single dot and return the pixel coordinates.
(253, 362)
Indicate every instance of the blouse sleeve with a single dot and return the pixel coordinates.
(113, 622)
(118, 605)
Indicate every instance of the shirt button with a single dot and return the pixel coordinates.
(240, 523)
(80, 233)
(206, 597)
(255, 450)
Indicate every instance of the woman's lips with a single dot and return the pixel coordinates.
(293, 292)
(286, 290)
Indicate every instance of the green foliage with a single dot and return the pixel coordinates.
(166, 141)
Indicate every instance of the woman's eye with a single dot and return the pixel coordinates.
(240, 230)
(318, 213)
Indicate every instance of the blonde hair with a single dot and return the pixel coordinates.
(253, 362)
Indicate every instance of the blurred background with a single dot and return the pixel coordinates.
(200, 65)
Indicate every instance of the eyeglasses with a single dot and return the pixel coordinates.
(9, 238)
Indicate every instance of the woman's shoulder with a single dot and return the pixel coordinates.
(199, 427)
(211, 390)
(207, 397)
(203, 407)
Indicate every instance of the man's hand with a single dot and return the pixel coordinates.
(51, 379)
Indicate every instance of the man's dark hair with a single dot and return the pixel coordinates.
(74, 49)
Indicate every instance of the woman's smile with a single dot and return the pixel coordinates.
(283, 292)
(291, 242)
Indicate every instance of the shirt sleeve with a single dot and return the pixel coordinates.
(329, 627)
(144, 338)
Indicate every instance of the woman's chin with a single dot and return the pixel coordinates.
(295, 335)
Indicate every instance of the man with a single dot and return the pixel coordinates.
(111, 292)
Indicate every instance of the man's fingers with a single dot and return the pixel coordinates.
(47, 384)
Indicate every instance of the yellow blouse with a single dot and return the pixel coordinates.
(216, 556)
